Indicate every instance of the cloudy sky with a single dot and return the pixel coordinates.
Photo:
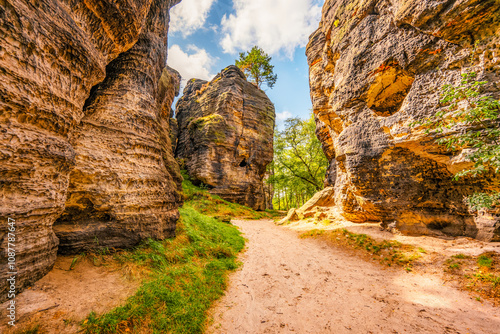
(207, 35)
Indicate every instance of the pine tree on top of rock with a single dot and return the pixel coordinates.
(256, 65)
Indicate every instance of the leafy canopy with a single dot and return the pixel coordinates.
(256, 65)
(299, 164)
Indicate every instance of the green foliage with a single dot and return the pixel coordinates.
(299, 165)
(477, 115)
(256, 64)
(483, 200)
(201, 122)
(484, 261)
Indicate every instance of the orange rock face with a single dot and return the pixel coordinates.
(52, 54)
(376, 67)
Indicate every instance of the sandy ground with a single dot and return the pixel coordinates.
(63, 298)
(444, 245)
(297, 285)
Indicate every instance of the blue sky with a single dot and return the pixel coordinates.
(207, 35)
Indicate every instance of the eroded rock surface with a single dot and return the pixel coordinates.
(226, 131)
(377, 66)
(51, 54)
(125, 185)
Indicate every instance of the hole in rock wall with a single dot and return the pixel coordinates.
(243, 163)
(438, 225)
(389, 89)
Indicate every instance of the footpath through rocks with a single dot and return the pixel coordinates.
(293, 285)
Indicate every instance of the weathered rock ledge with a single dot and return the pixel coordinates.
(225, 138)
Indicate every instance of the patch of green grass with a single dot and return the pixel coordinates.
(453, 265)
(214, 206)
(480, 274)
(186, 275)
(484, 261)
(488, 277)
(461, 256)
(311, 233)
(387, 252)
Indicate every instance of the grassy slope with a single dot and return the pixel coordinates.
(185, 274)
(214, 206)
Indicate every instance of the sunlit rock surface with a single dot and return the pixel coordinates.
(376, 67)
(226, 131)
(51, 55)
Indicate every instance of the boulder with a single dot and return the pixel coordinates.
(225, 138)
(313, 208)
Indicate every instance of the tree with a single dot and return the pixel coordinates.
(299, 164)
(256, 64)
(470, 120)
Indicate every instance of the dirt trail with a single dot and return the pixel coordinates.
(297, 285)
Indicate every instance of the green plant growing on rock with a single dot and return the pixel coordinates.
(256, 65)
(477, 115)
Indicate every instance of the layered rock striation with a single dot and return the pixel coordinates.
(225, 138)
(376, 67)
(53, 55)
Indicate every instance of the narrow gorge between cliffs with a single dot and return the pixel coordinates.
(249, 166)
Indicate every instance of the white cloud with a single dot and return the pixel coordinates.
(195, 63)
(189, 16)
(274, 25)
(281, 116)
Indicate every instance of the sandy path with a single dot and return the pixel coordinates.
(297, 285)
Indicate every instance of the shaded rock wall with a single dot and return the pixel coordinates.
(125, 185)
(375, 67)
(226, 131)
(51, 54)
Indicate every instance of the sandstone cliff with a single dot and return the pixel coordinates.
(52, 54)
(226, 131)
(375, 67)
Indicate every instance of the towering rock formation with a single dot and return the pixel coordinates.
(52, 53)
(226, 131)
(375, 67)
